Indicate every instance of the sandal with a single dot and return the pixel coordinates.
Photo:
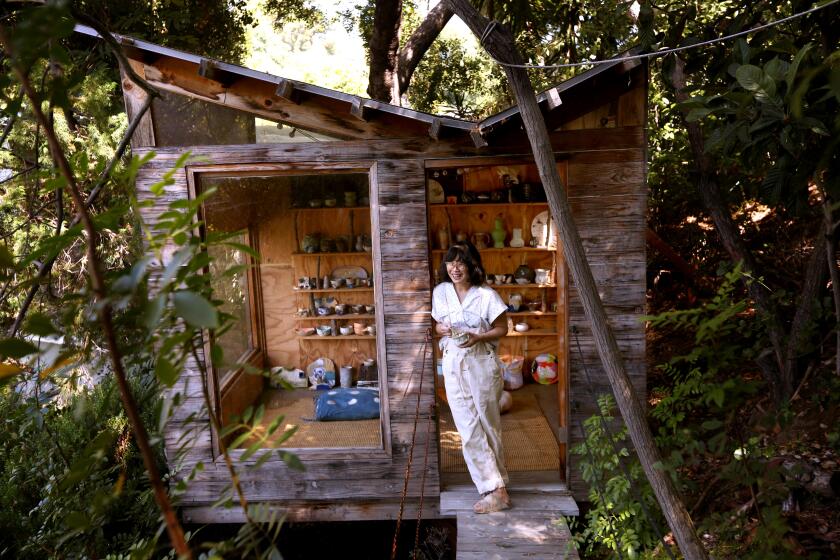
(497, 500)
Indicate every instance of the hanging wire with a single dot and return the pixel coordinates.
(492, 25)
(654, 525)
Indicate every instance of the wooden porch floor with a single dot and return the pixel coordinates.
(532, 528)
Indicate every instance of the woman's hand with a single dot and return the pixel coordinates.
(443, 329)
(472, 340)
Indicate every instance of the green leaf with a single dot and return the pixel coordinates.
(77, 520)
(749, 76)
(166, 372)
(793, 68)
(195, 310)
(292, 461)
(7, 260)
(16, 348)
(153, 312)
(39, 324)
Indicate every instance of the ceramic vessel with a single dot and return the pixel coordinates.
(481, 240)
(349, 283)
(345, 330)
(316, 203)
(336, 283)
(323, 311)
(516, 238)
(329, 202)
(524, 272)
(350, 198)
(310, 243)
(521, 327)
(499, 234)
(323, 330)
(370, 309)
(341, 309)
(541, 276)
(345, 376)
(305, 331)
(358, 308)
(514, 301)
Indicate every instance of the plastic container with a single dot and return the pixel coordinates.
(512, 371)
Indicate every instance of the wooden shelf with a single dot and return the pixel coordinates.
(505, 249)
(333, 254)
(345, 317)
(532, 332)
(531, 313)
(334, 337)
(519, 286)
(484, 204)
(331, 290)
(332, 208)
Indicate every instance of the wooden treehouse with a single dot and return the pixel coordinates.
(350, 203)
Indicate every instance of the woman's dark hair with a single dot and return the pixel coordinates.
(465, 252)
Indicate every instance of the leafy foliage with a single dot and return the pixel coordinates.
(72, 482)
(616, 519)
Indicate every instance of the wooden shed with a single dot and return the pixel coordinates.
(350, 205)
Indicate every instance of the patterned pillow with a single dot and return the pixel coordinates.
(347, 404)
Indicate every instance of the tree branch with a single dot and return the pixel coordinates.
(176, 533)
(415, 48)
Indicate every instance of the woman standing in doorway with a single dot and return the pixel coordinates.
(471, 318)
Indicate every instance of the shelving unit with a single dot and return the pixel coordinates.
(344, 223)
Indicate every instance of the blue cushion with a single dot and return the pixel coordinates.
(347, 404)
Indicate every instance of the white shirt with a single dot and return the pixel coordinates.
(481, 306)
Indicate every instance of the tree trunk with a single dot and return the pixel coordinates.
(499, 44)
(384, 44)
(420, 41)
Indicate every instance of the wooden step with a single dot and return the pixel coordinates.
(514, 534)
(542, 496)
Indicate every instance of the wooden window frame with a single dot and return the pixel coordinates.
(194, 175)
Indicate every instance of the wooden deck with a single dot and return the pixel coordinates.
(532, 528)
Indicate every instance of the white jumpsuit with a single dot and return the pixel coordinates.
(473, 381)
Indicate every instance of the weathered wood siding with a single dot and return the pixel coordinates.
(403, 300)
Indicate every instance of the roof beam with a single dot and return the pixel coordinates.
(286, 89)
(434, 129)
(209, 69)
(478, 138)
(360, 109)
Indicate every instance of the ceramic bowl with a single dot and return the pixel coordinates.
(358, 308)
(523, 281)
(329, 202)
(370, 330)
(349, 283)
(341, 309)
(459, 337)
(323, 330)
(336, 283)
(521, 327)
(345, 330)
(316, 203)
(370, 309)
(305, 331)
(533, 306)
(323, 311)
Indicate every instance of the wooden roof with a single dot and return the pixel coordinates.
(347, 116)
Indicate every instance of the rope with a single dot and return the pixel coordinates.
(491, 26)
(621, 464)
(411, 450)
(423, 480)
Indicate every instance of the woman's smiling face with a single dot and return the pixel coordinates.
(457, 271)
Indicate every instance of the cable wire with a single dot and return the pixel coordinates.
(492, 25)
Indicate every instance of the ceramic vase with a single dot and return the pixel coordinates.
(516, 240)
(499, 234)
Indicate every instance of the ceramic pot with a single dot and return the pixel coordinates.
(323, 311)
(524, 272)
(336, 283)
(370, 309)
(345, 376)
(499, 234)
(514, 301)
(345, 330)
(341, 309)
(516, 239)
(541, 276)
(329, 202)
(521, 327)
(350, 283)
(358, 308)
(324, 330)
(310, 243)
(481, 240)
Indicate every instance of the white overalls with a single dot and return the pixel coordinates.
(473, 381)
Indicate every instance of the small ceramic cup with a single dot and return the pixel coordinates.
(336, 283)
(324, 330)
(370, 330)
(341, 309)
(369, 309)
(349, 283)
(358, 308)
(521, 327)
(345, 329)
(329, 202)
(323, 311)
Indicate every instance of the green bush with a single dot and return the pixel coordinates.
(72, 483)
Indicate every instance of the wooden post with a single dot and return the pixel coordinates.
(499, 43)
